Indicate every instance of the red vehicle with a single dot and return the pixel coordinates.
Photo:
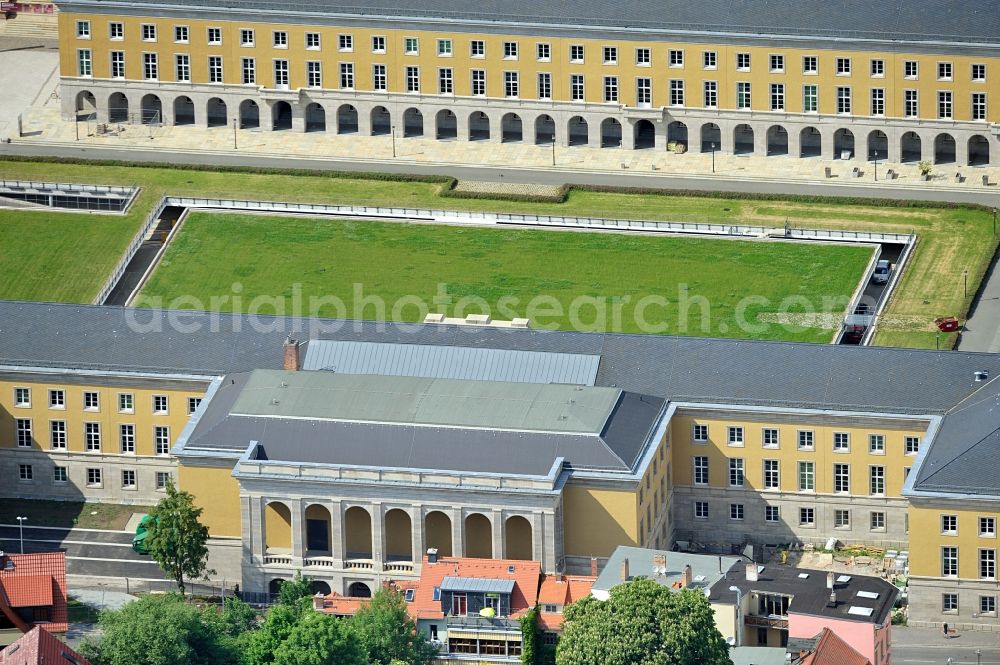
(947, 324)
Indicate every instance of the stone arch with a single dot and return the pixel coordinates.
(319, 530)
(117, 107)
(319, 586)
(644, 135)
(518, 539)
(216, 113)
(611, 133)
(183, 111)
(711, 135)
(445, 125)
(281, 116)
(249, 114)
(347, 119)
(810, 142)
(437, 532)
(578, 131)
(944, 149)
(357, 533)
(911, 147)
(274, 586)
(743, 139)
(315, 117)
(677, 132)
(979, 150)
(777, 141)
(398, 535)
(478, 536)
(878, 145)
(479, 126)
(511, 128)
(359, 590)
(413, 123)
(843, 142)
(151, 108)
(381, 121)
(86, 104)
(277, 527)
(545, 129)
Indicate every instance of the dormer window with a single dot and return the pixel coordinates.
(552, 609)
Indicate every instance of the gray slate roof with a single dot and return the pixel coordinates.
(706, 569)
(477, 584)
(889, 20)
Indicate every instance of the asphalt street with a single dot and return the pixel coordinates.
(927, 646)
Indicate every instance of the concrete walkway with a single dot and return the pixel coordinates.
(982, 330)
(101, 599)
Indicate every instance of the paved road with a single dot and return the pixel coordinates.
(982, 329)
(926, 646)
(985, 196)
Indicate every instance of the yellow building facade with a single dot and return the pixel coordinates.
(899, 100)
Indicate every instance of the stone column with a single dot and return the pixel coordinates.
(200, 112)
(894, 140)
(660, 136)
(364, 121)
(961, 151)
(794, 142)
(102, 108)
(258, 528)
(417, 544)
(461, 125)
(298, 510)
(299, 117)
(266, 116)
(538, 541)
(498, 540)
(378, 536)
(628, 135)
(593, 133)
(727, 144)
(760, 141)
(457, 533)
(166, 112)
(827, 144)
(496, 127)
(337, 532)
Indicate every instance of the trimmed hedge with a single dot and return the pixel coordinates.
(452, 193)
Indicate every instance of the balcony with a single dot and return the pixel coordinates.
(771, 621)
(277, 560)
(319, 562)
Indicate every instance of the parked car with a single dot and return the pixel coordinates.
(882, 270)
(141, 531)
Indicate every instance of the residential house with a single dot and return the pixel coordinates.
(33, 591)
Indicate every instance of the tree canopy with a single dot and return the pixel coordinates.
(642, 623)
(177, 540)
(320, 639)
(388, 634)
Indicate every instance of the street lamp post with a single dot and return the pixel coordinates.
(234, 133)
(392, 131)
(979, 656)
(994, 221)
(739, 614)
(554, 163)
(20, 528)
(876, 166)
(965, 277)
(713, 157)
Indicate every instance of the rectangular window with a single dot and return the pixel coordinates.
(876, 480)
(949, 525)
(161, 439)
(249, 67)
(911, 445)
(84, 63)
(545, 86)
(876, 521)
(128, 479)
(676, 92)
(910, 69)
(878, 68)
(576, 53)
(181, 34)
(162, 478)
(944, 71)
(949, 602)
(610, 88)
(150, 67)
(988, 605)
(116, 30)
(281, 73)
(412, 79)
(701, 470)
(59, 474)
(699, 433)
(511, 84)
(742, 95)
(810, 99)
(83, 29)
(92, 436)
(772, 476)
(183, 66)
(214, 36)
(807, 517)
(711, 94)
(378, 44)
(411, 46)
(610, 55)
(710, 59)
(843, 66)
(346, 74)
(841, 442)
(446, 82)
(279, 39)
(987, 527)
(735, 435)
(949, 561)
(910, 104)
(841, 519)
(510, 50)
(810, 64)
(979, 106)
(126, 403)
(126, 437)
(675, 57)
(643, 57)
(160, 404)
(876, 444)
(459, 604)
(314, 74)
(25, 472)
(743, 62)
(22, 397)
(543, 52)
(313, 41)
(769, 437)
(807, 477)
(444, 47)
(701, 510)
(777, 63)
(478, 82)
(978, 73)
(23, 429)
(843, 100)
(987, 564)
(644, 92)
(477, 48)
(246, 37)
(878, 101)
(345, 42)
(215, 69)
(576, 87)
(57, 434)
(736, 511)
(842, 478)
(736, 477)
(807, 440)
(777, 96)
(944, 104)
(380, 81)
(57, 399)
(94, 478)
(772, 513)
(148, 31)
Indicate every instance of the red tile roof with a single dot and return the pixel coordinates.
(40, 647)
(525, 576)
(341, 606)
(560, 590)
(35, 580)
(831, 650)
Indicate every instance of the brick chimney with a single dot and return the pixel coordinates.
(829, 581)
(432, 555)
(751, 572)
(593, 566)
(688, 576)
(291, 351)
(624, 570)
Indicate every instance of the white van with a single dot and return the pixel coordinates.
(882, 270)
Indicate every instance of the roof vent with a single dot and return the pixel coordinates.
(982, 375)
(751, 570)
(832, 602)
(432, 555)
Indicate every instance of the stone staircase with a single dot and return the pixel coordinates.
(31, 26)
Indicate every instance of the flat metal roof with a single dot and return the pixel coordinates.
(477, 584)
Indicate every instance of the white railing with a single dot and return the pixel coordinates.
(277, 560)
(319, 562)
(358, 564)
(133, 247)
(50, 187)
(398, 567)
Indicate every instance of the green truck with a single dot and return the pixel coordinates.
(141, 532)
